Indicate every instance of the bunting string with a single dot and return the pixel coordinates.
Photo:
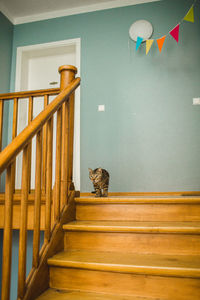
(189, 17)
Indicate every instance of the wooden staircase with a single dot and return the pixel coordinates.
(131, 246)
(139, 248)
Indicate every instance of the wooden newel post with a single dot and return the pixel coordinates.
(67, 74)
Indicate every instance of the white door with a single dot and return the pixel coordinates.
(37, 68)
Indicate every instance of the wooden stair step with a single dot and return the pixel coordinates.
(131, 226)
(159, 265)
(176, 209)
(135, 242)
(139, 200)
(53, 294)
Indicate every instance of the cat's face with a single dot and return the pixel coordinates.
(95, 176)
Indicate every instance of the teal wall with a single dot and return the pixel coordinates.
(148, 137)
(6, 38)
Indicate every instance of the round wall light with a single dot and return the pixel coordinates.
(141, 28)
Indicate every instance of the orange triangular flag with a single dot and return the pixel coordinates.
(190, 15)
(160, 42)
(148, 45)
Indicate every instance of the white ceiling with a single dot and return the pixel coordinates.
(23, 11)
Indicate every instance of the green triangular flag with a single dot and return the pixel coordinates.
(190, 15)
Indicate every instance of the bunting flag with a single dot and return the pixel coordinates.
(175, 32)
(139, 41)
(190, 15)
(149, 43)
(160, 42)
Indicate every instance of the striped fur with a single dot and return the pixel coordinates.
(100, 179)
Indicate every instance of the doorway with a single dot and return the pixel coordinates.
(37, 68)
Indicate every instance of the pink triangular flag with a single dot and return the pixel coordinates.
(175, 33)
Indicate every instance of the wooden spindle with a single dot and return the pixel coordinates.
(30, 109)
(15, 117)
(44, 154)
(49, 180)
(1, 123)
(7, 237)
(58, 165)
(67, 75)
(30, 118)
(38, 175)
(64, 152)
(71, 141)
(14, 134)
(1, 127)
(23, 225)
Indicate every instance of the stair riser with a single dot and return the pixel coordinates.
(139, 212)
(167, 288)
(133, 242)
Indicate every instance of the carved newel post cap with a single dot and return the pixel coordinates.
(67, 68)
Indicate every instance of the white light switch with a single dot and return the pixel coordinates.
(196, 101)
(101, 107)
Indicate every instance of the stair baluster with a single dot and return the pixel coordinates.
(37, 213)
(1, 122)
(23, 225)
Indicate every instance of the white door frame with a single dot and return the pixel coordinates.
(21, 52)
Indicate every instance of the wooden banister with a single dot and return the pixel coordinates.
(11, 151)
(27, 94)
(42, 128)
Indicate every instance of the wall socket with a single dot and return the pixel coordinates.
(101, 107)
(196, 101)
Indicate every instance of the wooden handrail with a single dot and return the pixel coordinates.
(11, 151)
(27, 94)
(42, 128)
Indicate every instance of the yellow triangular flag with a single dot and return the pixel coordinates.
(190, 15)
(149, 43)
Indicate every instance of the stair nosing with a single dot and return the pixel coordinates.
(185, 272)
(138, 200)
(95, 294)
(77, 226)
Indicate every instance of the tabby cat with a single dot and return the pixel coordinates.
(100, 179)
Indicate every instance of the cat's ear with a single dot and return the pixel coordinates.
(99, 170)
(90, 171)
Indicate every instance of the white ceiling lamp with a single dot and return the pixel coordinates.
(142, 29)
